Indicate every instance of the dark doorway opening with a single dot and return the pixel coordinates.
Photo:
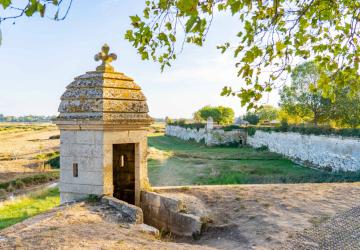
(124, 172)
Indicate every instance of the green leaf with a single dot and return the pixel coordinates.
(147, 13)
(145, 55)
(190, 23)
(238, 50)
(135, 19)
(235, 7)
(30, 10)
(280, 46)
(168, 25)
(188, 7)
(172, 37)
(5, 3)
(41, 9)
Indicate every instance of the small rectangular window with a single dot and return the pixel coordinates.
(75, 170)
(122, 161)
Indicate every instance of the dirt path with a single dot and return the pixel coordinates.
(265, 216)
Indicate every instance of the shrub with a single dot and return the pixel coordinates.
(10, 188)
(263, 148)
(52, 159)
(284, 126)
(311, 130)
(230, 128)
(54, 162)
(251, 131)
(252, 118)
(3, 194)
(93, 198)
(18, 184)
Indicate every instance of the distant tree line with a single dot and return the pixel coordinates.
(27, 118)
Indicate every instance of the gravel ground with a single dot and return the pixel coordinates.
(340, 232)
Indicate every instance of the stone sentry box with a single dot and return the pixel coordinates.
(103, 124)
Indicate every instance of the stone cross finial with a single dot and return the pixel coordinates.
(106, 59)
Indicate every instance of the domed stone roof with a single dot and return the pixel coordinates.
(104, 95)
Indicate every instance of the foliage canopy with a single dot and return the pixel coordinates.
(221, 115)
(272, 35)
(303, 98)
(267, 113)
(252, 118)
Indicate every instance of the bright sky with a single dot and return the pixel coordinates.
(40, 57)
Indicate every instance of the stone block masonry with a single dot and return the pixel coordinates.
(210, 137)
(169, 215)
(332, 152)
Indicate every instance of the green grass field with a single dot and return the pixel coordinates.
(12, 212)
(190, 163)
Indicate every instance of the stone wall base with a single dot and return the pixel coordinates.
(128, 212)
(167, 214)
(70, 197)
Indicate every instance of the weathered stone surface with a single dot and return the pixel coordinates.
(185, 224)
(98, 105)
(166, 213)
(208, 136)
(85, 163)
(99, 109)
(130, 212)
(70, 197)
(332, 152)
(156, 216)
(84, 177)
(155, 200)
(148, 229)
(81, 149)
(81, 189)
(81, 137)
(105, 96)
(98, 92)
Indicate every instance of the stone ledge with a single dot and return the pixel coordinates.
(156, 200)
(128, 211)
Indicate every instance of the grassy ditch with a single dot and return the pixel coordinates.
(179, 162)
(12, 212)
(27, 181)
